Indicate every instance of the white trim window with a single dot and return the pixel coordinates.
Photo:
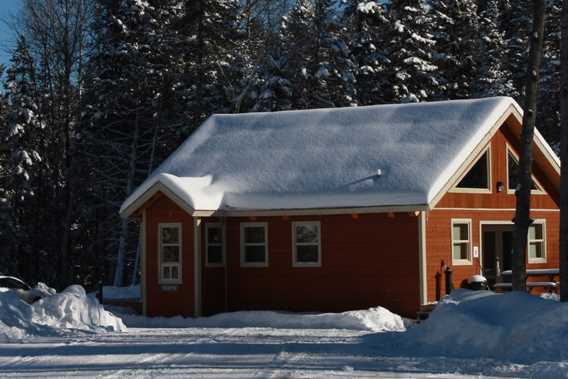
(536, 242)
(461, 242)
(306, 237)
(169, 253)
(254, 244)
(513, 176)
(477, 178)
(214, 245)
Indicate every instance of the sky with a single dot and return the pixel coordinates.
(8, 10)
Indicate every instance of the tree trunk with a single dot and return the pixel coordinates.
(564, 155)
(523, 193)
(119, 271)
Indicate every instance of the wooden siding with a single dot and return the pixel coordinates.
(494, 206)
(168, 300)
(438, 243)
(367, 260)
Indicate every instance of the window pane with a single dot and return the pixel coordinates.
(307, 233)
(170, 235)
(254, 254)
(307, 254)
(477, 176)
(215, 254)
(166, 272)
(535, 232)
(170, 254)
(535, 250)
(175, 273)
(459, 251)
(214, 235)
(513, 167)
(460, 232)
(254, 234)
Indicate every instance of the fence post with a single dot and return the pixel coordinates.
(438, 277)
(449, 283)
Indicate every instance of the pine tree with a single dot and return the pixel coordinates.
(128, 102)
(493, 78)
(208, 37)
(516, 23)
(413, 75)
(21, 165)
(368, 26)
(548, 119)
(456, 34)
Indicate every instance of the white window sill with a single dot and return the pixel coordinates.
(303, 265)
(536, 260)
(170, 282)
(254, 265)
(461, 262)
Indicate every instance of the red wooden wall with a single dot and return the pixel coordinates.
(496, 206)
(367, 260)
(162, 300)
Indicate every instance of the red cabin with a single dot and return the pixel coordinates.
(338, 209)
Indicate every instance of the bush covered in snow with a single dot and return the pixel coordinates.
(55, 314)
(376, 319)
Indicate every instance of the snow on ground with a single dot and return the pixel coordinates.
(470, 334)
(514, 326)
(377, 319)
(70, 311)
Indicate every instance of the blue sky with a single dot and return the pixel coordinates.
(8, 10)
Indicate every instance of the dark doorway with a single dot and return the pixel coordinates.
(497, 247)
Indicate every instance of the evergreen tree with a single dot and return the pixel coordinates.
(21, 165)
(456, 32)
(548, 119)
(368, 27)
(413, 75)
(493, 78)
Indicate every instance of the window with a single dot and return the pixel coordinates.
(478, 177)
(536, 242)
(513, 174)
(254, 244)
(170, 253)
(461, 242)
(214, 245)
(307, 244)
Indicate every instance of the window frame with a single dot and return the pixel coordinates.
(221, 226)
(508, 150)
(489, 189)
(543, 241)
(295, 262)
(245, 225)
(469, 260)
(161, 279)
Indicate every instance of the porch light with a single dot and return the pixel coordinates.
(500, 187)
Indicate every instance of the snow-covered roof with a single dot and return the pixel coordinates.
(372, 156)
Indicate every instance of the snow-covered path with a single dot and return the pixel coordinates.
(237, 353)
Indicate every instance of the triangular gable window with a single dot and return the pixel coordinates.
(477, 178)
(513, 174)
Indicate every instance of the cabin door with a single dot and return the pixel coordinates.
(497, 247)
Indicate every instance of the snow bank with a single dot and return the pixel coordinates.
(58, 314)
(374, 319)
(121, 293)
(472, 324)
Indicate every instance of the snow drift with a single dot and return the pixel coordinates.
(377, 319)
(57, 314)
(514, 326)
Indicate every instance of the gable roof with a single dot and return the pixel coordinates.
(372, 156)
